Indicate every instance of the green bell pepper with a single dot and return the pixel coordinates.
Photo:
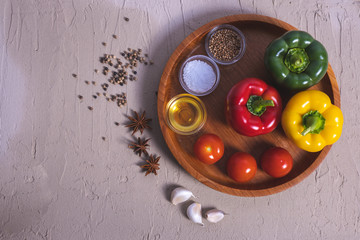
(296, 60)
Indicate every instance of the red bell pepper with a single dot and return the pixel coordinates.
(253, 107)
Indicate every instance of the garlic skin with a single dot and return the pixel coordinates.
(214, 215)
(180, 195)
(194, 213)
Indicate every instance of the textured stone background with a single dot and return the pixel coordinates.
(60, 180)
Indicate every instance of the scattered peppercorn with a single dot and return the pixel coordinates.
(118, 71)
(74, 75)
(90, 108)
(126, 19)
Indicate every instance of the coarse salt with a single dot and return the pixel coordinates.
(199, 76)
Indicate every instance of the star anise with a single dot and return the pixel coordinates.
(152, 165)
(138, 122)
(140, 146)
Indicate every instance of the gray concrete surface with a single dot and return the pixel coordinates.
(60, 180)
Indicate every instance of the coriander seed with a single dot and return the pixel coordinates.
(225, 44)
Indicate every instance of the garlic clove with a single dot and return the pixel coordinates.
(180, 195)
(194, 213)
(214, 215)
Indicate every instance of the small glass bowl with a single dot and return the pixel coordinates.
(208, 61)
(185, 114)
(242, 39)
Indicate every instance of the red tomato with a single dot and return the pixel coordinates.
(277, 162)
(241, 167)
(209, 148)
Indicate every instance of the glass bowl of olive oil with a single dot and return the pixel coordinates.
(185, 114)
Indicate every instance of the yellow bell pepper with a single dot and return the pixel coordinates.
(311, 121)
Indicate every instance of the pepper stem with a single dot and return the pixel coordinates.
(257, 105)
(296, 60)
(313, 122)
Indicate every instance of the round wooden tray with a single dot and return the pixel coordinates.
(259, 31)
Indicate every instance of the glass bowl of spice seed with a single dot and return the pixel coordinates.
(199, 75)
(225, 44)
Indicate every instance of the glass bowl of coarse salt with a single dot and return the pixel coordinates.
(199, 75)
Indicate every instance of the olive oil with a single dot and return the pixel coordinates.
(185, 114)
